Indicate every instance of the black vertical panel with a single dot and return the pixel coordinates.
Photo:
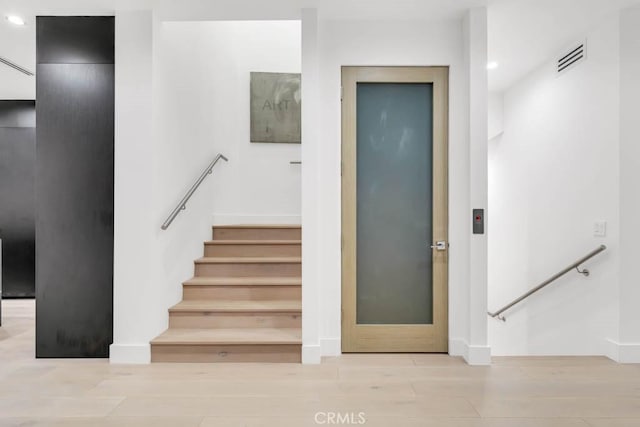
(74, 189)
(75, 40)
(18, 114)
(17, 197)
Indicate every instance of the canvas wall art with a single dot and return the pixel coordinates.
(275, 107)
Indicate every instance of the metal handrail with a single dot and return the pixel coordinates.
(183, 203)
(548, 281)
(16, 67)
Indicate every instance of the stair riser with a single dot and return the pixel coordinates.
(234, 320)
(248, 270)
(242, 293)
(293, 249)
(257, 233)
(226, 353)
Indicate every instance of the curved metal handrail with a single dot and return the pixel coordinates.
(575, 265)
(183, 203)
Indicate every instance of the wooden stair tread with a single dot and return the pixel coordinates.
(253, 242)
(249, 260)
(266, 226)
(237, 306)
(228, 336)
(244, 281)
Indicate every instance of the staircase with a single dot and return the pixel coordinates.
(244, 303)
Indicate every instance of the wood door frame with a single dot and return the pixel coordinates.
(395, 338)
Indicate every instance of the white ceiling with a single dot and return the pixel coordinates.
(523, 34)
(331, 9)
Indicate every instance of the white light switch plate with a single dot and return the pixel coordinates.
(600, 228)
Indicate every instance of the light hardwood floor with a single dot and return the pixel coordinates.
(390, 390)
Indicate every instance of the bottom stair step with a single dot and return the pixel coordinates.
(229, 336)
(228, 345)
(194, 353)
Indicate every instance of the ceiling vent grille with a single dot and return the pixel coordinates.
(572, 57)
(15, 66)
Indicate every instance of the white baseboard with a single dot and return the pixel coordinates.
(457, 347)
(139, 354)
(623, 352)
(311, 354)
(225, 219)
(477, 355)
(331, 346)
(612, 350)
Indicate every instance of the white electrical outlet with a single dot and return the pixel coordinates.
(600, 228)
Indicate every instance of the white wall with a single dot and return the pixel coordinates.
(313, 348)
(137, 297)
(475, 29)
(553, 173)
(627, 347)
(205, 69)
(17, 44)
(496, 121)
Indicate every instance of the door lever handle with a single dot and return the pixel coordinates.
(440, 245)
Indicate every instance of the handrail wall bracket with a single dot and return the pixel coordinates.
(498, 314)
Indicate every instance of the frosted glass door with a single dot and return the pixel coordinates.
(394, 207)
(394, 203)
